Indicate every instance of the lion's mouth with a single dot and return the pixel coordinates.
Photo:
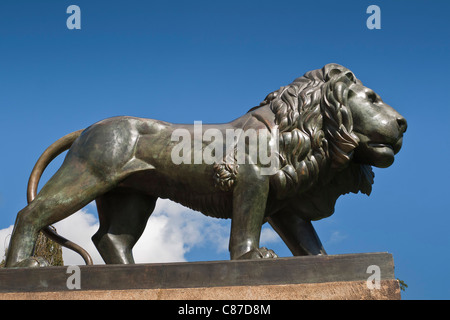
(394, 147)
(381, 145)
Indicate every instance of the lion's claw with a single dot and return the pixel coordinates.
(32, 262)
(261, 253)
(267, 253)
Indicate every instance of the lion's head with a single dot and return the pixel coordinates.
(378, 126)
(327, 119)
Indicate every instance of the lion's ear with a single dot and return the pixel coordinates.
(331, 70)
(334, 72)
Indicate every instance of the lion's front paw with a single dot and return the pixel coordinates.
(32, 262)
(261, 253)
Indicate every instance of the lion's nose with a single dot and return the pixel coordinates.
(403, 125)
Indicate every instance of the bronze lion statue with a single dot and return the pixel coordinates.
(328, 129)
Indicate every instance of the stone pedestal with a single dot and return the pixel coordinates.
(310, 277)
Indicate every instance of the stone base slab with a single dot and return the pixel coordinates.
(349, 290)
(309, 277)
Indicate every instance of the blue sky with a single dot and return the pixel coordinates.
(183, 61)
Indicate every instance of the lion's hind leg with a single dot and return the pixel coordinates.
(123, 215)
(71, 188)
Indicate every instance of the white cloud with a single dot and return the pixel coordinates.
(335, 238)
(173, 230)
(5, 235)
(268, 235)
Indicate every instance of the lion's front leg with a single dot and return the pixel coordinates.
(299, 235)
(249, 204)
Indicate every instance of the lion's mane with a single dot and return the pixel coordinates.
(315, 130)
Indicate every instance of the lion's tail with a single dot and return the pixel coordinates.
(51, 153)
